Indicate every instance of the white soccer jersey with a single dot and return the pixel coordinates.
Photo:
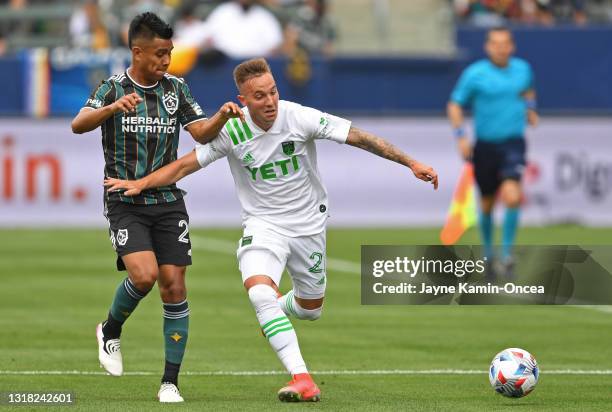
(275, 171)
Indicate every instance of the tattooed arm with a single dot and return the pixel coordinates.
(383, 148)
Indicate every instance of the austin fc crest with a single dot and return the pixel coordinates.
(170, 102)
(288, 148)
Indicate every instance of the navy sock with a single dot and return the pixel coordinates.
(171, 371)
(127, 297)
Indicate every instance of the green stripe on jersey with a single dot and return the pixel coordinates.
(141, 142)
(119, 141)
(239, 130)
(231, 133)
(247, 130)
(158, 156)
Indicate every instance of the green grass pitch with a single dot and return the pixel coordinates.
(57, 284)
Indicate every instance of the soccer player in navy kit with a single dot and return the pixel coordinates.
(140, 113)
(500, 91)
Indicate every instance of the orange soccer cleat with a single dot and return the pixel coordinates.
(300, 389)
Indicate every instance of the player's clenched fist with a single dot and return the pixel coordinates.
(231, 110)
(127, 103)
(425, 173)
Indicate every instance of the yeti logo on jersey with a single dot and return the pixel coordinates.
(288, 148)
(247, 240)
(275, 170)
(170, 102)
(122, 237)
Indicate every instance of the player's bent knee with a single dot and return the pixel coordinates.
(173, 293)
(143, 274)
(253, 280)
(308, 314)
(312, 314)
(511, 193)
(262, 297)
(512, 199)
(144, 280)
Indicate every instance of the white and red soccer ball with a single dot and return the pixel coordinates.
(514, 373)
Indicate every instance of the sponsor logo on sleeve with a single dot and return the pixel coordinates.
(97, 103)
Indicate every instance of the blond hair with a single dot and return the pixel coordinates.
(249, 69)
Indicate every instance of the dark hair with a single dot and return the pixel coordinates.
(148, 25)
(497, 29)
(249, 69)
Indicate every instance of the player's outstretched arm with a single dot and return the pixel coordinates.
(165, 176)
(89, 119)
(383, 148)
(455, 115)
(206, 130)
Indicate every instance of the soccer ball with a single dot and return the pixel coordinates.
(514, 373)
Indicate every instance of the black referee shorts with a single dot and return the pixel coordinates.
(496, 162)
(161, 228)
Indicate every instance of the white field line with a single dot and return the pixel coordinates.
(391, 372)
(229, 248)
(599, 308)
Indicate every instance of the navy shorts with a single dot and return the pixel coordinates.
(162, 228)
(496, 162)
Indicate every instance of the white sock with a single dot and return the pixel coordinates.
(291, 308)
(277, 328)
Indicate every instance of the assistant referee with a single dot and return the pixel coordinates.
(500, 92)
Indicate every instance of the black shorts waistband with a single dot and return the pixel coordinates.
(505, 140)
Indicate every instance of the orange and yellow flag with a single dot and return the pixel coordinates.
(462, 212)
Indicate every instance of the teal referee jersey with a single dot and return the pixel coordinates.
(495, 95)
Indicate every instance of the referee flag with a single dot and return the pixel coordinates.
(462, 212)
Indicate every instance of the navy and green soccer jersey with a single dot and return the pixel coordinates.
(496, 97)
(136, 144)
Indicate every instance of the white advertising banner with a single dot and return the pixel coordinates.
(51, 177)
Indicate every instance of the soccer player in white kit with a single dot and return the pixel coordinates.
(272, 157)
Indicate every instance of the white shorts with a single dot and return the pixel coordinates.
(262, 251)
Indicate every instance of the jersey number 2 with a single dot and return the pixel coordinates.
(183, 237)
(318, 258)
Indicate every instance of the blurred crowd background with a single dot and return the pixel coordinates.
(241, 28)
(58, 50)
(544, 12)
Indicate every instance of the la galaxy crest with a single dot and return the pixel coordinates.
(122, 237)
(170, 102)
